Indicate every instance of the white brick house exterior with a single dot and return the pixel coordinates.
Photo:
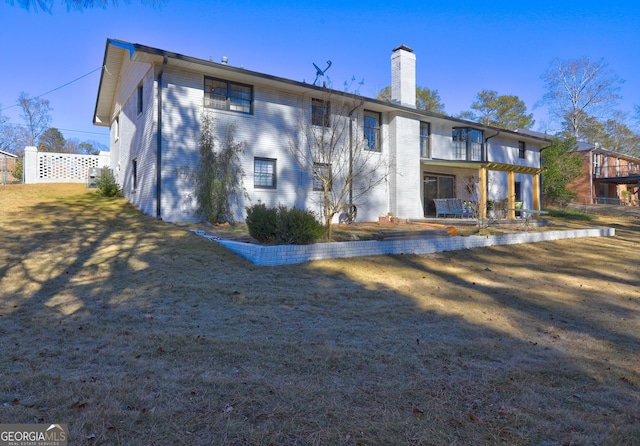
(153, 101)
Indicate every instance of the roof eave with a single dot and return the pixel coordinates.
(138, 52)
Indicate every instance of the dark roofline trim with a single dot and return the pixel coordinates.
(133, 47)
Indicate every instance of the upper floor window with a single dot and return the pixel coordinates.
(596, 164)
(372, 130)
(522, 150)
(320, 111)
(227, 95)
(264, 173)
(425, 147)
(140, 98)
(467, 144)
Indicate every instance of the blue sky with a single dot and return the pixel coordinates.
(461, 47)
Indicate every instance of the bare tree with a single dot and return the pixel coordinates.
(6, 135)
(35, 114)
(338, 145)
(77, 5)
(579, 88)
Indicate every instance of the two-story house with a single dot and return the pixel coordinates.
(608, 177)
(153, 101)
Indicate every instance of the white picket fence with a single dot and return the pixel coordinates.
(47, 167)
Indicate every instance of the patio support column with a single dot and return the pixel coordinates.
(511, 195)
(482, 193)
(536, 192)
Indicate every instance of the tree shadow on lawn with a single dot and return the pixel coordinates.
(134, 331)
(558, 284)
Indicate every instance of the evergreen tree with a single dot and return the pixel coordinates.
(504, 111)
(561, 165)
(426, 99)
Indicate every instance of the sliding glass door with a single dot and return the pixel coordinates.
(436, 186)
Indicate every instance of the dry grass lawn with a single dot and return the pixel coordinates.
(137, 332)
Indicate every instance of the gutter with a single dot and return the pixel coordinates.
(165, 59)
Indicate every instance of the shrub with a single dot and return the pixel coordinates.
(298, 227)
(17, 170)
(291, 226)
(219, 173)
(262, 223)
(106, 184)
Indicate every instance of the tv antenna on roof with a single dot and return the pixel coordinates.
(320, 72)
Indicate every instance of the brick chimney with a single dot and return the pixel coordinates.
(403, 76)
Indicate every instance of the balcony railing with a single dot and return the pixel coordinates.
(607, 201)
(615, 171)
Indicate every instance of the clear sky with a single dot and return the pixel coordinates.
(461, 47)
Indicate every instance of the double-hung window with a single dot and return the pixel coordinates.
(425, 147)
(522, 150)
(372, 130)
(467, 144)
(227, 95)
(264, 173)
(320, 112)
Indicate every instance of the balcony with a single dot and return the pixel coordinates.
(626, 171)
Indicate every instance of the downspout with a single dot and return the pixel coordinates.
(486, 145)
(350, 115)
(159, 142)
(486, 160)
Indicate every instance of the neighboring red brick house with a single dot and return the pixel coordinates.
(7, 162)
(608, 177)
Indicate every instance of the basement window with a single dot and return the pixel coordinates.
(264, 173)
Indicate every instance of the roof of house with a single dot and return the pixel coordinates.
(116, 50)
(589, 147)
(12, 155)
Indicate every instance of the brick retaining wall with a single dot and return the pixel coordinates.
(289, 254)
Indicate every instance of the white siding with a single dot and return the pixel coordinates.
(137, 136)
(268, 133)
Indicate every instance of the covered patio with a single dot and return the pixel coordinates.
(481, 170)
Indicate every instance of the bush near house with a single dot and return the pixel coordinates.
(282, 225)
(106, 184)
(298, 227)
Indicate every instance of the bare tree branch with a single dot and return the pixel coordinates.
(336, 155)
(580, 88)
